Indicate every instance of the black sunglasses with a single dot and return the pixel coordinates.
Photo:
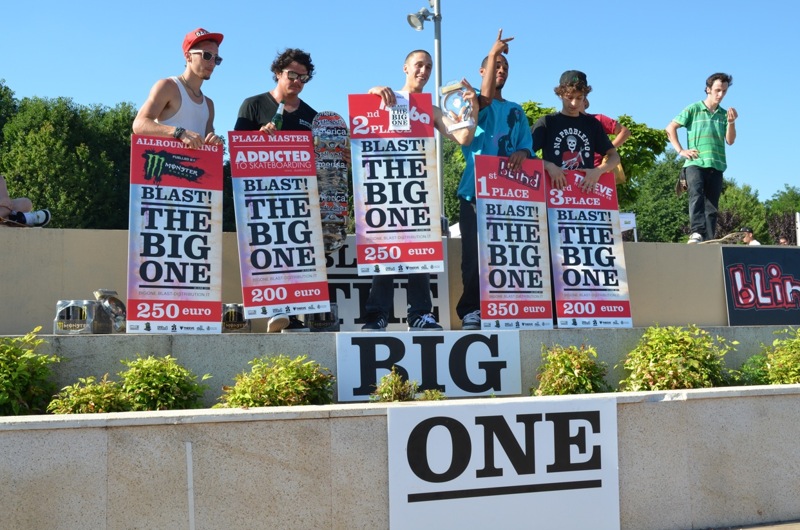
(304, 78)
(207, 56)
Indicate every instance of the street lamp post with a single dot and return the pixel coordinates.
(417, 20)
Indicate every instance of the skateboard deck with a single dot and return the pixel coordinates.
(9, 222)
(331, 141)
(730, 239)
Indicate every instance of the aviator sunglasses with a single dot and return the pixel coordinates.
(207, 56)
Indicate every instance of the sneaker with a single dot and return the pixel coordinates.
(37, 218)
(295, 324)
(471, 321)
(695, 238)
(277, 323)
(375, 323)
(425, 322)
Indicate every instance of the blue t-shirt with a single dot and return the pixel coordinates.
(502, 130)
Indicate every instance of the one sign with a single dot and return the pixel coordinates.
(513, 245)
(510, 464)
(762, 285)
(281, 254)
(457, 364)
(395, 185)
(589, 276)
(350, 292)
(174, 237)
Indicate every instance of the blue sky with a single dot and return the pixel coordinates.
(644, 59)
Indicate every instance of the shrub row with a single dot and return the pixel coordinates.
(666, 358)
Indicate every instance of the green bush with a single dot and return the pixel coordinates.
(88, 396)
(783, 359)
(752, 372)
(25, 385)
(393, 387)
(160, 383)
(570, 370)
(673, 357)
(277, 381)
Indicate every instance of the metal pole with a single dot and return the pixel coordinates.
(437, 58)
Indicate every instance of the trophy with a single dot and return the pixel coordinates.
(456, 112)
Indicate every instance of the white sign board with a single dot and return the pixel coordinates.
(511, 464)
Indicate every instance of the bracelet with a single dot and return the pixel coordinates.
(178, 132)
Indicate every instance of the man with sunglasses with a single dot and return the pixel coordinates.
(176, 106)
(291, 70)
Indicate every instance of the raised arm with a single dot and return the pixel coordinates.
(489, 83)
(621, 135)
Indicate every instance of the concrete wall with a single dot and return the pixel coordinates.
(43, 266)
(224, 356)
(687, 459)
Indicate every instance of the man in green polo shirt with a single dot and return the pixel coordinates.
(708, 128)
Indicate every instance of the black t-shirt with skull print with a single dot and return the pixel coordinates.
(570, 142)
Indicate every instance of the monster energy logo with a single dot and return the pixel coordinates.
(160, 163)
(154, 167)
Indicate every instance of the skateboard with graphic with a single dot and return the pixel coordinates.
(331, 142)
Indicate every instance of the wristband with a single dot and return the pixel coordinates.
(178, 132)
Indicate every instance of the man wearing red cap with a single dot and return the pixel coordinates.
(176, 106)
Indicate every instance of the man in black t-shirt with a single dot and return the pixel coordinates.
(569, 139)
(291, 70)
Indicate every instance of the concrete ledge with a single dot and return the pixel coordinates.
(225, 356)
(687, 459)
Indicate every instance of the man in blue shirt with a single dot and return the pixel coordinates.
(502, 130)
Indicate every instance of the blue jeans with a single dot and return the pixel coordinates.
(381, 295)
(704, 188)
(471, 296)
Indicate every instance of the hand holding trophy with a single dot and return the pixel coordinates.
(456, 105)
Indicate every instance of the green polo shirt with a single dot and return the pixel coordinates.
(705, 131)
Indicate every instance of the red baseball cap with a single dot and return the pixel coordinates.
(199, 35)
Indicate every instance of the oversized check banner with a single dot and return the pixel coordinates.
(395, 185)
(589, 276)
(174, 237)
(276, 200)
(513, 245)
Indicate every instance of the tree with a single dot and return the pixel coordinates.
(72, 159)
(739, 206)
(638, 156)
(8, 106)
(786, 201)
(781, 210)
(454, 165)
(660, 214)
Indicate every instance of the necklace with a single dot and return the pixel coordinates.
(196, 94)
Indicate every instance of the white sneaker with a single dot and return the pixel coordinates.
(277, 323)
(37, 218)
(695, 238)
(471, 321)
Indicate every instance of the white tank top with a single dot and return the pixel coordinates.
(191, 116)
